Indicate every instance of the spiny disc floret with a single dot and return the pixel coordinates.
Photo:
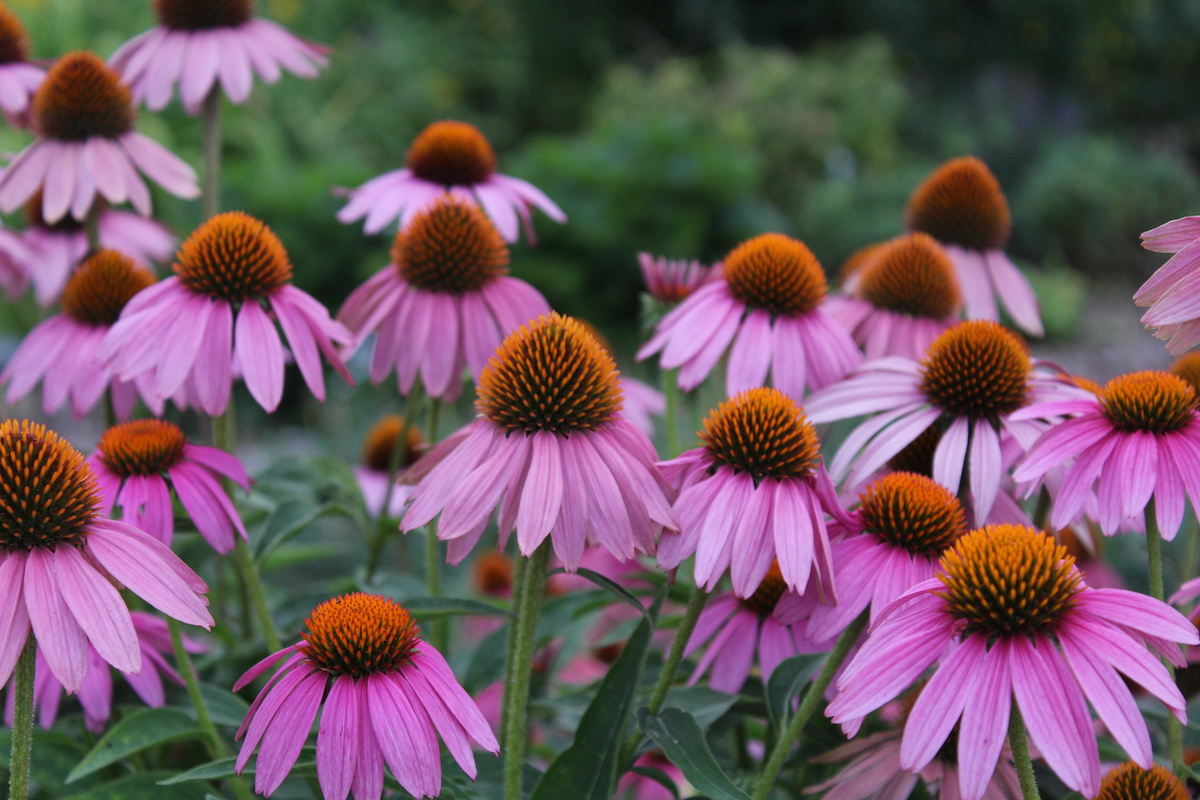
(142, 447)
(233, 256)
(912, 512)
(100, 288)
(1128, 781)
(359, 635)
(199, 15)
(48, 494)
(452, 247)
(912, 275)
(962, 204)
(82, 97)
(768, 594)
(764, 433)
(776, 273)
(1149, 402)
(452, 154)
(977, 369)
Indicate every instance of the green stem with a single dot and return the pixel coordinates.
(22, 729)
(671, 391)
(1019, 745)
(1158, 591)
(510, 651)
(110, 409)
(91, 226)
(516, 701)
(258, 598)
(396, 459)
(1192, 546)
(812, 698)
(210, 121)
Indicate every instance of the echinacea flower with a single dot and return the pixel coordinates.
(1009, 618)
(17, 264)
(188, 330)
(60, 558)
(851, 270)
(200, 43)
(1130, 781)
(1138, 439)
(63, 351)
(87, 146)
(96, 692)
(767, 310)
(962, 206)
(19, 79)
(670, 281)
(452, 157)
(139, 465)
(387, 696)
(969, 385)
(756, 491)
(444, 303)
(1171, 291)
(551, 449)
(903, 300)
(375, 470)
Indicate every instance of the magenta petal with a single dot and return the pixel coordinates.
(542, 493)
(98, 610)
(14, 620)
(60, 639)
(337, 739)
(260, 353)
(405, 735)
(985, 725)
(941, 703)
(1111, 698)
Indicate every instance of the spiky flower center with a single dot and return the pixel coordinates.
(380, 443)
(961, 203)
(1188, 368)
(912, 512)
(494, 574)
(763, 433)
(451, 247)
(452, 154)
(233, 256)
(776, 273)
(768, 593)
(917, 455)
(1008, 580)
(142, 447)
(976, 369)
(199, 15)
(14, 44)
(550, 375)
(48, 494)
(1128, 781)
(82, 97)
(1150, 402)
(912, 275)
(359, 635)
(100, 288)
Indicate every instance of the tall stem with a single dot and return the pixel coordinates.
(1158, 591)
(510, 650)
(91, 226)
(1019, 745)
(671, 391)
(812, 698)
(516, 700)
(210, 122)
(22, 729)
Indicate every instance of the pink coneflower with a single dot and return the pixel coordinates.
(444, 303)
(449, 157)
(1129, 781)
(95, 695)
(903, 300)
(56, 250)
(767, 311)
(1138, 438)
(851, 270)
(670, 281)
(756, 491)
(1009, 618)
(19, 79)
(62, 351)
(139, 465)
(374, 471)
(1170, 292)
(892, 542)
(551, 449)
(961, 205)
(387, 694)
(86, 146)
(200, 43)
(59, 559)
(183, 329)
(972, 380)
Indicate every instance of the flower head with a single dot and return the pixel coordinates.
(767, 311)
(1169, 291)
(19, 79)
(390, 695)
(670, 281)
(452, 157)
(552, 450)
(1009, 618)
(182, 333)
(375, 469)
(1130, 781)
(87, 146)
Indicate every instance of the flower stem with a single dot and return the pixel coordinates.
(812, 698)
(510, 651)
(396, 460)
(671, 391)
(520, 665)
(91, 226)
(210, 122)
(258, 598)
(22, 729)
(1158, 591)
(1019, 745)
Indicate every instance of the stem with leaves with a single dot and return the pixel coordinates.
(528, 597)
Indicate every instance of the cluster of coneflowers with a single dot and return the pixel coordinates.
(931, 570)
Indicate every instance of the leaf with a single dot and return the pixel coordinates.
(142, 786)
(285, 522)
(677, 733)
(224, 707)
(786, 682)
(704, 704)
(609, 585)
(452, 606)
(487, 664)
(137, 731)
(587, 770)
(223, 768)
(659, 777)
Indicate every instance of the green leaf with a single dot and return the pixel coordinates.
(609, 585)
(452, 606)
(785, 684)
(677, 733)
(587, 770)
(224, 707)
(223, 768)
(659, 777)
(137, 731)
(704, 704)
(487, 664)
(142, 786)
(285, 522)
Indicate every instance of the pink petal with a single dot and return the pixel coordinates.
(60, 639)
(98, 610)
(260, 353)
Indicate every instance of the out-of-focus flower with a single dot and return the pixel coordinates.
(19, 79)
(670, 281)
(374, 471)
(1171, 291)
(1130, 781)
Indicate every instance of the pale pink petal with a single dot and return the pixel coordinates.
(98, 610)
(750, 356)
(338, 743)
(984, 726)
(60, 639)
(260, 353)
(941, 703)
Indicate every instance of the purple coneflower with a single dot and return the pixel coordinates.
(199, 43)
(232, 283)
(60, 558)
(1009, 618)
(374, 471)
(961, 205)
(387, 696)
(1171, 291)
(551, 449)
(449, 157)
(767, 311)
(62, 352)
(1129, 781)
(19, 79)
(670, 281)
(444, 303)
(86, 146)
(756, 491)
